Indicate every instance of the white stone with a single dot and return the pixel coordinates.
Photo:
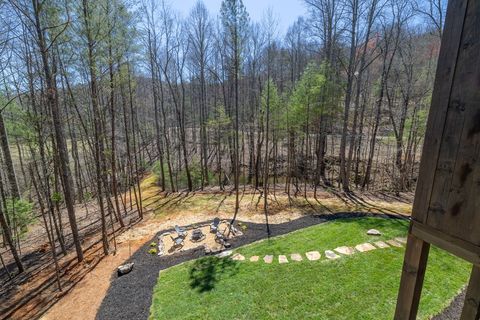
(238, 257)
(268, 259)
(282, 259)
(254, 258)
(374, 232)
(364, 247)
(345, 250)
(394, 243)
(313, 255)
(224, 254)
(296, 257)
(381, 244)
(331, 255)
(401, 240)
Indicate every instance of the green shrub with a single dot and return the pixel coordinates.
(20, 214)
(152, 251)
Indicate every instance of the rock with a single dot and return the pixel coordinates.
(394, 243)
(206, 249)
(254, 258)
(381, 244)
(124, 269)
(364, 247)
(345, 250)
(282, 259)
(374, 232)
(296, 257)
(313, 255)
(224, 254)
(401, 240)
(161, 247)
(238, 257)
(331, 255)
(268, 259)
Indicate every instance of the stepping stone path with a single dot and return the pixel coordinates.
(268, 259)
(238, 257)
(296, 257)
(394, 243)
(331, 255)
(364, 247)
(345, 250)
(224, 254)
(381, 244)
(374, 232)
(313, 255)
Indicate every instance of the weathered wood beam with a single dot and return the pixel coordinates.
(471, 307)
(413, 273)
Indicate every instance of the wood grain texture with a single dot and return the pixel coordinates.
(471, 307)
(454, 188)
(440, 101)
(413, 273)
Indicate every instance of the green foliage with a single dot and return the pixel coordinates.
(270, 95)
(219, 120)
(313, 97)
(57, 197)
(20, 214)
(152, 251)
(235, 23)
(17, 121)
(153, 244)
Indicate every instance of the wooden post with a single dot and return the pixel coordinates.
(413, 272)
(471, 307)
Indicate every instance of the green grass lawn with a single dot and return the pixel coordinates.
(361, 286)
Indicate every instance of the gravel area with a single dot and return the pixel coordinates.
(129, 297)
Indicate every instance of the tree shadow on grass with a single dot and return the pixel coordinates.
(207, 272)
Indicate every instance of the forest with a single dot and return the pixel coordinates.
(95, 95)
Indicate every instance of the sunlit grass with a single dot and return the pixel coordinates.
(361, 286)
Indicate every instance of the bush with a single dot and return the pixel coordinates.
(20, 214)
(152, 251)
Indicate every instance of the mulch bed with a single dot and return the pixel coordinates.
(130, 296)
(454, 310)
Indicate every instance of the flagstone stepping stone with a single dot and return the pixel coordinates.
(374, 232)
(254, 258)
(381, 244)
(268, 259)
(224, 254)
(296, 257)
(364, 247)
(331, 255)
(401, 240)
(345, 250)
(238, 257)
(313, 255)
(282, 259)
(394, 243)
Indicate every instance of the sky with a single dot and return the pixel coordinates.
(285, 11)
